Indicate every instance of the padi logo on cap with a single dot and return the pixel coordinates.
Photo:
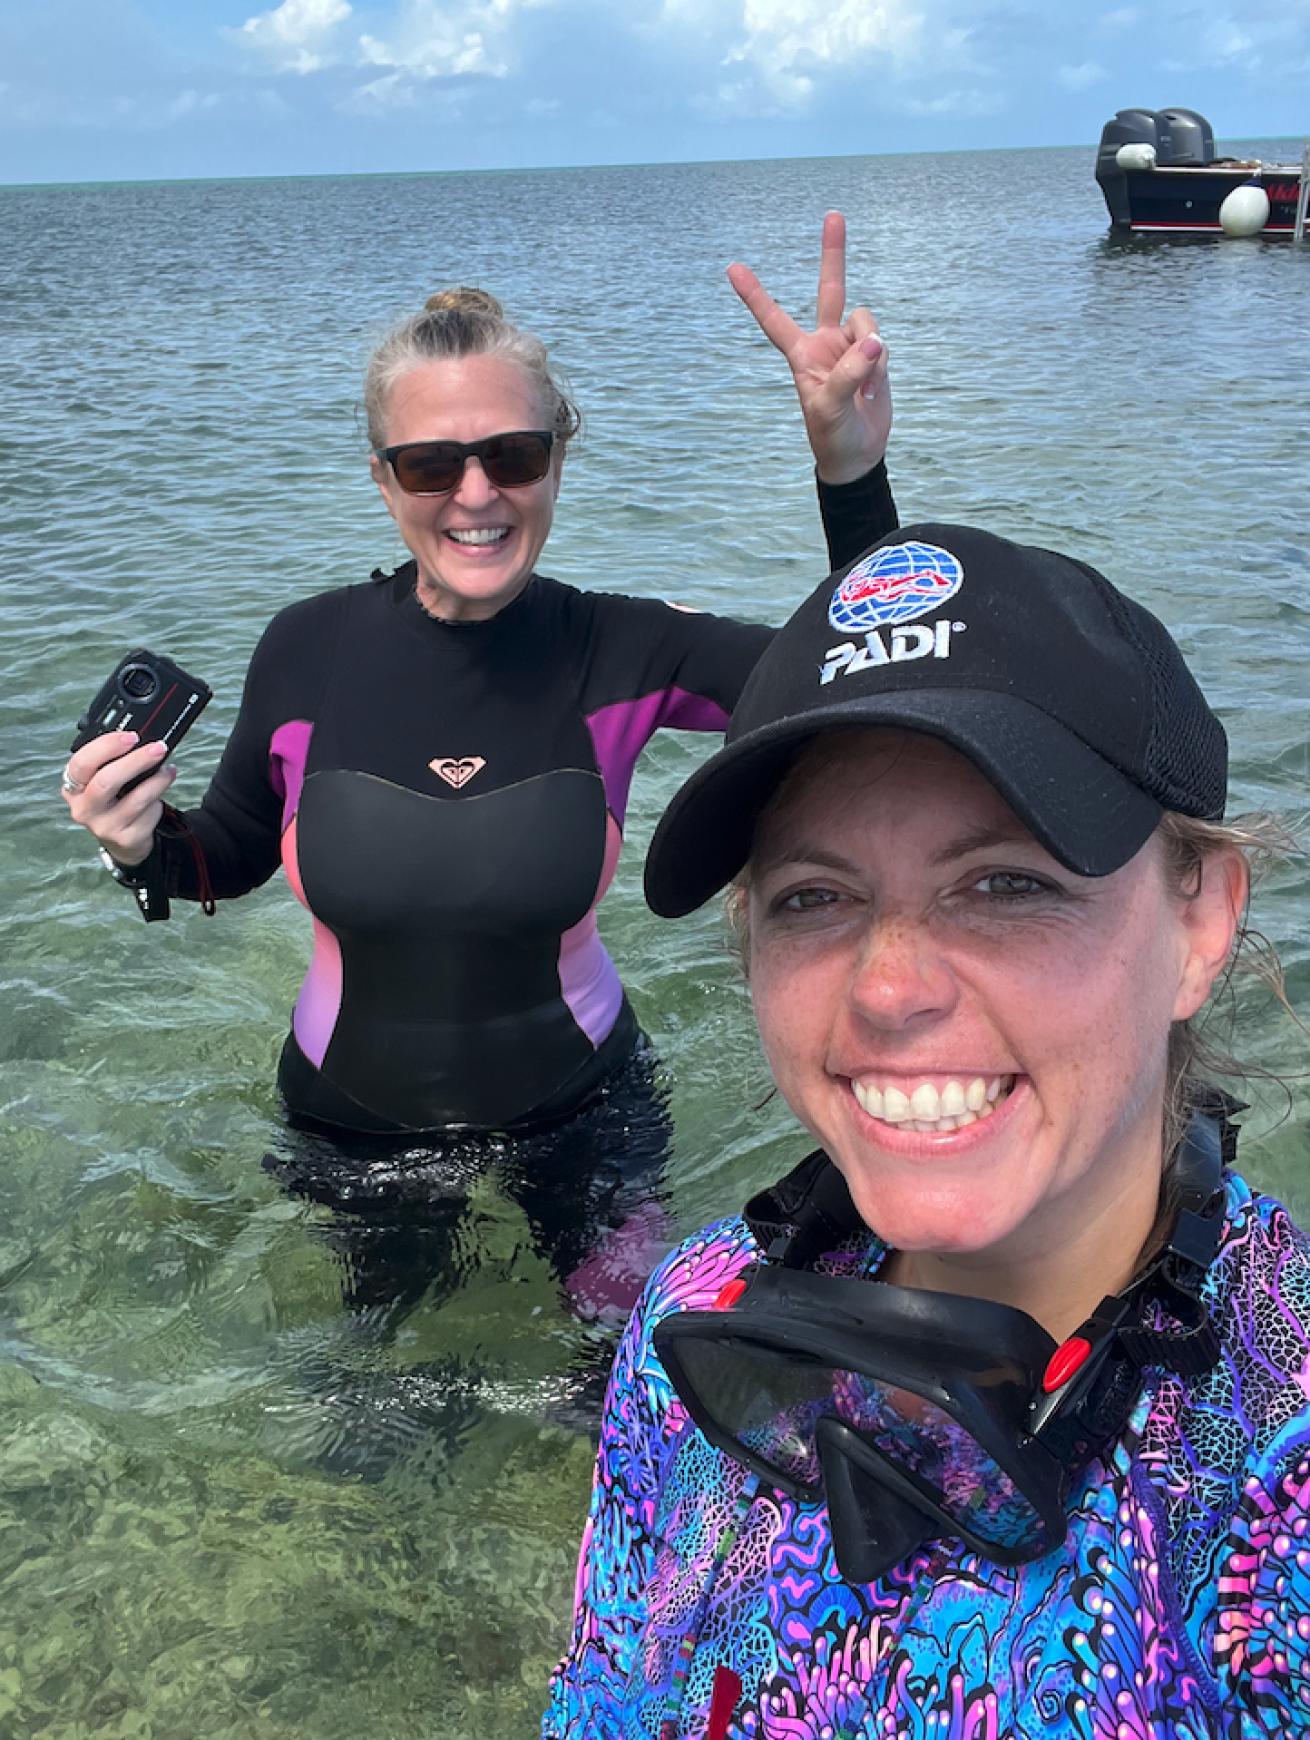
(894, 585)
(888, 590)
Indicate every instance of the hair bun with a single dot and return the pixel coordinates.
(464, 300)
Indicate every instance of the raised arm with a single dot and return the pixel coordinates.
(840, 369)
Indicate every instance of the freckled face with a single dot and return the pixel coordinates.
(976, 1035)
(477, 546)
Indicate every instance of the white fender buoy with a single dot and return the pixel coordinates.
(1245, 211)
(1135, 157)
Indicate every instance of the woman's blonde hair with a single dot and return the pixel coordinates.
(1200, 1055)
(458, 323)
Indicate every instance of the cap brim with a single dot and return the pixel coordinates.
(1087, 814)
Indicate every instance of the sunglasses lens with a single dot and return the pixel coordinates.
(513, 460)
(435, 467)
(429, 467)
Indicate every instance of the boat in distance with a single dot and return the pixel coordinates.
(1159, 173)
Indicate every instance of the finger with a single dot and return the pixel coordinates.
(126, 814)
(859, 324)
(832, 271)
(876, 381)
(131, 820)
(104, 787)
(776, 325)
(99, 753)
(861, 371)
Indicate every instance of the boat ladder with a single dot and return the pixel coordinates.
(1302, 197)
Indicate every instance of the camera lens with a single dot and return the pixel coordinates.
(138, 681)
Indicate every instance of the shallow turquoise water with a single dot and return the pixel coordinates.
(224, 1509)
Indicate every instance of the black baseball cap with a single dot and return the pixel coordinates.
(1071, 698)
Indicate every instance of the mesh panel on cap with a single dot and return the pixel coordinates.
(1186, 757)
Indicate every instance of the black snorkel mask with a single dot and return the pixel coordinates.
(922, 1415)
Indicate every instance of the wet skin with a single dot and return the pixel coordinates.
(906, 929)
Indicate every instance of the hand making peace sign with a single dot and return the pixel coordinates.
(840, 368)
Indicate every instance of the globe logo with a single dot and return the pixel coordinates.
(894, 585)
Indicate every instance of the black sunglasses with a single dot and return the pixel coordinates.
(435, 467)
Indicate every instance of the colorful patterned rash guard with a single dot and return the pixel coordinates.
(709, 1606)
(448, 801)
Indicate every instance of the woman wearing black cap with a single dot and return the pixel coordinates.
(990, 1419)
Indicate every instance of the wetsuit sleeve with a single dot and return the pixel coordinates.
(857, 514)
(238, 823)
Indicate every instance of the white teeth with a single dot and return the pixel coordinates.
(870, 1098)
(926, 1102)
(953, 1100)
(954, 1107)
(480, 535)
(896, 1106)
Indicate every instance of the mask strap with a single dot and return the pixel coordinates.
(1176, 1277)
(804, 1216)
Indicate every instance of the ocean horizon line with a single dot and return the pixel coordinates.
(1278, 139)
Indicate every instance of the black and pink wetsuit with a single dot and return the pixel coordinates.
(448, 802)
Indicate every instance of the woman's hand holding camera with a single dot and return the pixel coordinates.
(93, 780)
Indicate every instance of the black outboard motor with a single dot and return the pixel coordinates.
(1178, 137)
(1193, 136)
(1129, 127)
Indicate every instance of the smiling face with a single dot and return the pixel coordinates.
(476, 547)
(976, 1035)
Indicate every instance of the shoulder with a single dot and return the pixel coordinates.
(1260, 1301)
(1258, 1295)
(641, 1406)
(689, 1279)
(1222, 1444)
(311, 616)
(312, 623)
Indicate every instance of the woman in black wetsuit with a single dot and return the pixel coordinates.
(440, 759)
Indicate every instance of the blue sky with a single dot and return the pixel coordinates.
(121, 89)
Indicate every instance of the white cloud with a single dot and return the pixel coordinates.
(1112, 23)
(431, 40)
(1080, 78)
(297, 35)
(777, 52)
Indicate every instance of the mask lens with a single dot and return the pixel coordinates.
(941, 1459)
(511, 461)
(769, 1401)
(429, 467)
(765, 1401)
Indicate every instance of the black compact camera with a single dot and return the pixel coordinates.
(147, 694)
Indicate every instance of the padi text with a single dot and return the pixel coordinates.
(917, 641)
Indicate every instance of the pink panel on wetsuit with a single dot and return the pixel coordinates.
(287, 754)
(588, 981)
(319, 1002)
(620, 732)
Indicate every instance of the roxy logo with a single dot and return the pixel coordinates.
(920, 640)
(893, 586)
(457, 770)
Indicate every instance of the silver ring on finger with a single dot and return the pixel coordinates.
(70, 785)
